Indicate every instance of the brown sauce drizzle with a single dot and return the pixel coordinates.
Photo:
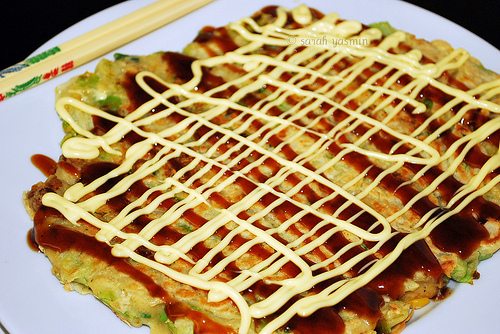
(323, 321)
(417, 257)
(202, 324)
(44, 164)
(461, 234)
(30, 240)
(391, 281)
(458, 242)
(365, 303)
(59, 238)
(180, 65)
(409, 262)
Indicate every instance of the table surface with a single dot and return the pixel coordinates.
(27, 25)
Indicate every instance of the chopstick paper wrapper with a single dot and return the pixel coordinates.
(59, 59)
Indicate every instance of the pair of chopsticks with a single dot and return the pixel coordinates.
(60, 59)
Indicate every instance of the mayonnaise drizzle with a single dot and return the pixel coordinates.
(89, 146)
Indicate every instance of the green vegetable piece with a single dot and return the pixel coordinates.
(194, 307)
(68, 130)
(284, 106)
(107, 296)
(383, 327)
(385, 27)
(262, 89)
(186, 228)
(163, 316)
(485, 256)
(481, 67)
(329, 155)
(395, 312)
(88, 80)
(119, 56)
(111, 102)
(428, 103)
(179, 197)
(146, 315)
(464, 272)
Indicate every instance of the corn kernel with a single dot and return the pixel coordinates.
(419, 303)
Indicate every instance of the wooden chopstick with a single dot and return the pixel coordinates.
(80, 50)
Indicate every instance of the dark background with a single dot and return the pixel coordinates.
(25, 25)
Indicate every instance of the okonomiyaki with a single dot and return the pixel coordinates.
(291, 172)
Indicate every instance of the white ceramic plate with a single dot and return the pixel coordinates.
(33, 301)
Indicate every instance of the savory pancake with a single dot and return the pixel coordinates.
(291, 172)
